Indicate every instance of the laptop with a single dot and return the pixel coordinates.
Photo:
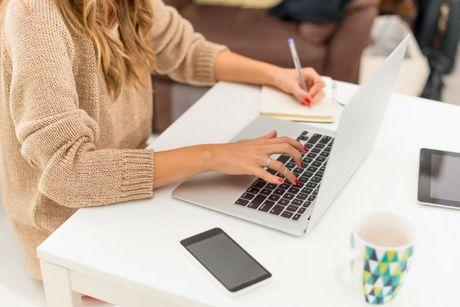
(332, 159)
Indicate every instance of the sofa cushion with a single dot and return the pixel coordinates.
(254, 33)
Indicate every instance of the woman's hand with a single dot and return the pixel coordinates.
(232, 67)
(286, 80)
(240, 158)
(250, 157)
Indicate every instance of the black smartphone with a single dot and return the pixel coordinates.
(226, 260)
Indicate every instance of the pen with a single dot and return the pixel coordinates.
(298, 66)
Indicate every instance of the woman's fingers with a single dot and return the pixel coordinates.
(281, 168)
(319, 96)
(287, 149)
(302, 96)
(314, 81)
(296, 144)
(270, 135)
(261, 173)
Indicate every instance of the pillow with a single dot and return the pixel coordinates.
(255, 4)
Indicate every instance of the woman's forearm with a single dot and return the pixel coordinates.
(181, 163)
(236, 68)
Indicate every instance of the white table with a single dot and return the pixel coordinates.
(129, 254)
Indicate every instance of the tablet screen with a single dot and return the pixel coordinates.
(439, 179)
(445, 177)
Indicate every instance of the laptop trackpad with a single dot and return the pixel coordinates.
(212, 189)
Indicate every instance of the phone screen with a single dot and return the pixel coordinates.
(230, 264)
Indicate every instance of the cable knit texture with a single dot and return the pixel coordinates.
(64, 143)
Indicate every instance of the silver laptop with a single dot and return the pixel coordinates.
(332, 159)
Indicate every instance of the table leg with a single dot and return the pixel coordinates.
(58, 290)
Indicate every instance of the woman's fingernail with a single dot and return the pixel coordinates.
(281, 180)
(303, 165)
(305, 148)
(306, 101)
(297, 182)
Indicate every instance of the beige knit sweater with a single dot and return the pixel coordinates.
(64, 144)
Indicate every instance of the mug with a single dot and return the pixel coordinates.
(382, 245)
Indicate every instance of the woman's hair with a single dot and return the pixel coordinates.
(119, 30)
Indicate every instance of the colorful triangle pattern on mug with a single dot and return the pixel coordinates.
(384, 272)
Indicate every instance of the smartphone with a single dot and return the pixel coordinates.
(226, 260)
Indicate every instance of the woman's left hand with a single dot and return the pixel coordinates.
(287, 81)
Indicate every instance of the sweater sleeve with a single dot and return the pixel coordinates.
(56, 136)
(182, 54)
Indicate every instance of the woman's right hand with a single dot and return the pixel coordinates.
(250, 157)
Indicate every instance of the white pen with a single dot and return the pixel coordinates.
(298, 66)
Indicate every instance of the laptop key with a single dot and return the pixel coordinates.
(325, 153)
(312, 169)
(283, 202)
(316, 150)
(297, 202)
(311, 185)
(320, 174)
(279, 191)
(315, 138)
(242, 202)
(301, 210)
(287, 214)
(271, 186)
(288, 196)
(307, 190)
(248, 196)
(316, 164)
(290, 165)
(319, 145)
(306, 204)
(302, 196)
(259, 199)
(320, 159)
(267, 206)
(283, 158)
(253, 190)
(316, 179)
(311, 155)
(277, 209)
(296, 217)
(294, 190)
(265, 191)
(259, 184)
(284, 186)
(325, 139)
(312, 197)
(253, 205)
(292, 208)
(274, 197)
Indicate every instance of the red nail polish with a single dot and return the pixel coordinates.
(301, 164)
(297, 182)
(281, 180)
(305, 148)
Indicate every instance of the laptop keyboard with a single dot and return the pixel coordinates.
(287, 200)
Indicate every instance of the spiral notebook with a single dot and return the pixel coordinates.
(280, 105)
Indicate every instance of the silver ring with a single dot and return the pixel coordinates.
(268, 162)
(285, 171)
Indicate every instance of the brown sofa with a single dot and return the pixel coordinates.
(333, 49)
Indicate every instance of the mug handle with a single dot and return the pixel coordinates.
(343, 269)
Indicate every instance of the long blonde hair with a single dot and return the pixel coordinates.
(119, 30)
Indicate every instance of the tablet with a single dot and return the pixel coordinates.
(439, 178)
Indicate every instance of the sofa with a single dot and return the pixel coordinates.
(334, 49)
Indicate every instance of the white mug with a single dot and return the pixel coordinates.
(382, 245)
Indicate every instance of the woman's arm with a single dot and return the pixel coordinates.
(239, 158)
(232, 67)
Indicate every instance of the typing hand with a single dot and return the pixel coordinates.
(250, 157)
(286, 80)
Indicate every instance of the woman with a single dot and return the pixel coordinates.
(76, 107)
